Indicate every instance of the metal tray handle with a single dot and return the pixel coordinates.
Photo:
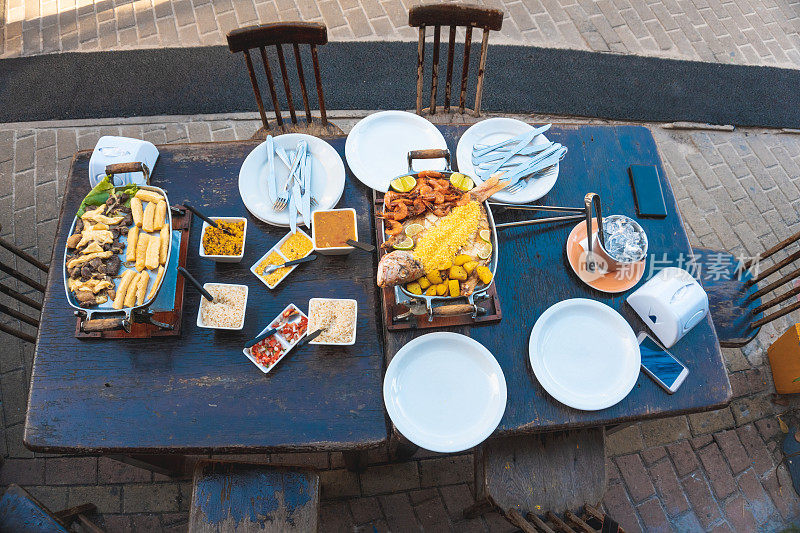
(431, 153)
(106, 324)
(124, 168)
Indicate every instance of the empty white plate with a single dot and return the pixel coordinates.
(377, 147)
(584, 354)
(445, 392)
(492, 131)
(327, 178)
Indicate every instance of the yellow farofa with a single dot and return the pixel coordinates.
(297, 246)
(273, 277)
(438, 246)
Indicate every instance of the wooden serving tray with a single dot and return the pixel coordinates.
(183, 223)
(390, 308)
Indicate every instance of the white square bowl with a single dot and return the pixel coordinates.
(224, 258)
(355, 323)
(200, 307)
(335, 250)
(287, 345)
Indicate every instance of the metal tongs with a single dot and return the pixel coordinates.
(535, 221)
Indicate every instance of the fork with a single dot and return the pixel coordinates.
(283, 198)
(283, 157)
(524, 180)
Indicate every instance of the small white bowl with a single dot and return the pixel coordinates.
(334, 250)
(223, 258)
(355, 322)
(200, 307)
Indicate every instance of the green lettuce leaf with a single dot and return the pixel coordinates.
(101, 192)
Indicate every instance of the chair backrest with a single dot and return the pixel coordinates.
(18, 296)
(452, 15)
(775, 268)
(279, 34)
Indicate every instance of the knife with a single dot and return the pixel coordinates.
(296, 199)
(478, 151)
(306, 190)
(271, 183)
(523, 142)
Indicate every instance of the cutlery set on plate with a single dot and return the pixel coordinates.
(295, 193)
(519, 158)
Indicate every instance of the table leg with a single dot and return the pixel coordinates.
(400, 448)
(355, 461)
(168, 465)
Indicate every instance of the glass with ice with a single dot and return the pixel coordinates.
(625, 241)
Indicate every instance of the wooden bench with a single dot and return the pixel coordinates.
(244, 497)
(22, 513)
(537, 473)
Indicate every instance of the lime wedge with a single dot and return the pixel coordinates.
(403, 184)
(460, 181)
(486, 235)
(413, 229)
(485, 252)
(405, 244)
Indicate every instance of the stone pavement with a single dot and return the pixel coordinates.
(717, 471)
(755, 32)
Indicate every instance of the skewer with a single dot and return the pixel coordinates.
(538, 221)
(528, 207)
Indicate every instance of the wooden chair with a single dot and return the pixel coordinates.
(279, 34)
(591, 521)
(22, 513)
(245, 497)
(452, 15)
(25, 300)
(734, 294)
(534, 473)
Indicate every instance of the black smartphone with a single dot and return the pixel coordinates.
(647, 193)
(661, 365)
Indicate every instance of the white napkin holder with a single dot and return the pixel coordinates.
(671, 303)
(110, 150)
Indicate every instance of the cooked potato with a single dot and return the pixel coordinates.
(455, 288)
(133, 236)
(73, 240)
(156, 282)
(162, 251)
(151, 261)
(147, 218)
(461, 259)
(458, 273)
(441, 289)
(446, 265)
(484, 274)
(470, 266)
(431, 291)
(141, 250)
(160, 214)
(434, 277)
(424, 283)
(137, 211)
(148, 196)
(119, 297)
(141, 286)
(414, 287)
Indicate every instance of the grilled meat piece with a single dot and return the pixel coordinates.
(86, 272)
(112, 265)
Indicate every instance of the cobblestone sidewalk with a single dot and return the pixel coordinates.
(756, 32)
(717, 471)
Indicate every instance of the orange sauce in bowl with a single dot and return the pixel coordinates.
(333, 228)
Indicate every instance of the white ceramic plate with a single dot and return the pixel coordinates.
(445, 392)
(493, 131)
(327, 178)
(584, 354)
(378, 145)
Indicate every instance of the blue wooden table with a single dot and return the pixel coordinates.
(533, 274)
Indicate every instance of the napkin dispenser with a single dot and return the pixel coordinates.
(671, 303)
(110, 150)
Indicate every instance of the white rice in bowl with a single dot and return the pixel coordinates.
(227, 309)
(338, 316)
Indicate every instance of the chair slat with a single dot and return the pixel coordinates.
(462, 100)
(256, 90)
(572, 517)
(777, 314)
(774, 268)
(21, 277)
(271, 82)
(30, 302)
(778, 299)
(481, 72)
(513, 516)
(451, 50)
(774, 285)
(22, 254)
(287, 88)
(437, 30)
(560, 524)
(302, 81)
(318, 80)
(19, 316)
(539, 523)
(18, 334)
(420, 67)
(777, 248)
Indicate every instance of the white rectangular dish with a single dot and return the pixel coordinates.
(277, 249)
(314, 321)
(224, 258)
(204, 302)
(286, 344)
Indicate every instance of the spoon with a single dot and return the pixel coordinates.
(273, 268)
(211, 222)
(310, 337)
(362, 245)
(197, 285)
(291, 319)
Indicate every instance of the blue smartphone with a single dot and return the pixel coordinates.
(661, 365)
(647, 194)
